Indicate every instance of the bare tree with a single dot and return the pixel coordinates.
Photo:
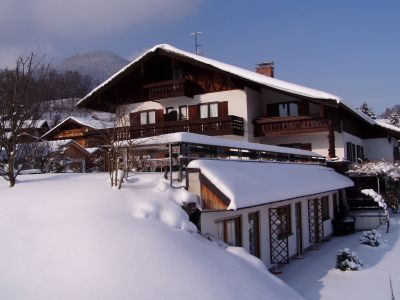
(120, 148)
(22, 91)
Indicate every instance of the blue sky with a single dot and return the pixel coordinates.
(348, 48)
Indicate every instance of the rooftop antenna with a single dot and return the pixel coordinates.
(196, 44)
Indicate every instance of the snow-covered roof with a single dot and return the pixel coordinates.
(234, 70)
(92, 150)
(252, 183)
(58, 144)
(88, 122)
(384, 123)
(194, 138)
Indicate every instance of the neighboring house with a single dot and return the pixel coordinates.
(273, 210)
(78, 129)
(169, 90)
(68, 155)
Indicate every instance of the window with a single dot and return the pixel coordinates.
(288, 109)
(254, 234)
(325, 207)
(147, 117)
(229, 231)
(169, 110)
(284, 222)
(315, 110)
(354, 152)
(208, 110)
(183, 112)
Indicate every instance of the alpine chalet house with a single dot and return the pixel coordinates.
(169, 90)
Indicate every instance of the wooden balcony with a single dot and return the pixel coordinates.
(168, 89)
(289, 125)
(228, 125)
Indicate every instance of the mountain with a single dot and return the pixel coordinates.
(98, 64)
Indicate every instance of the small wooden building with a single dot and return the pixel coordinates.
(274, 210)
(78, 129)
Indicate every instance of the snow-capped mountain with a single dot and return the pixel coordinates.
(98, 64)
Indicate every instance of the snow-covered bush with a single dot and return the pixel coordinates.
(347, 260)
(371, 238)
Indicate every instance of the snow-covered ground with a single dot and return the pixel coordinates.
(71, 236)
(315, 278)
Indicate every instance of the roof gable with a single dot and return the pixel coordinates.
(250, 76)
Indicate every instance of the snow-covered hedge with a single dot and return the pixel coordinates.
(347, 260)
(371, 238)
(379, 168)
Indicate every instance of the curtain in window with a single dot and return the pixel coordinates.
(152, 117)
(204, 111)
(183, 112)
(231, 232)
(293, 109)
(143, 118)
(283, 110)
(213, 110)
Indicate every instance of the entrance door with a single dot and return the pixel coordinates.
(299, 231)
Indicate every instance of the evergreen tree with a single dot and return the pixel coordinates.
(367, 110)
(394, 119)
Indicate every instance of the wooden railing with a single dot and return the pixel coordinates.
(268, 126)
(228, 125)
(168, 89)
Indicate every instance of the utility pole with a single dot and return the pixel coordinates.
(196, 44)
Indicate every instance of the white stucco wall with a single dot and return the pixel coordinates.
(380, 148)
(318, 140)
(209, 219)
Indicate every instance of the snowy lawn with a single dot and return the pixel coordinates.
(71, 236)
(314, 277)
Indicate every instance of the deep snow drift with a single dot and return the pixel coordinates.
(71, 236)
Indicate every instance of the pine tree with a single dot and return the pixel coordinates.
(367, 110)
(394, 119)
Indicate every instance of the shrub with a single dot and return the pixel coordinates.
(371, 238)
(347, 260)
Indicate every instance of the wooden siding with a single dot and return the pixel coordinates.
(212, 197)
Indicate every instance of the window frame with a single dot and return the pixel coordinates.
(255, 216)
(180, 112)
(325, 212)
(284, 232)
(208, 105)
(287, 109)
(238, 230)
(146, 113)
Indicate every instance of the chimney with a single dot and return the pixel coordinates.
(266, 68)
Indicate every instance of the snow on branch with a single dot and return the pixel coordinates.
(374, 195)
(379, 169)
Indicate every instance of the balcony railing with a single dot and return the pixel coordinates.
(169, 89)
(228, 125)
(289, 125)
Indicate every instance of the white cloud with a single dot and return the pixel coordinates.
(83, 17)
(30, 22)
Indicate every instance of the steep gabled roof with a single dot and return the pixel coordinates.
(86, 122)
(254, 77)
